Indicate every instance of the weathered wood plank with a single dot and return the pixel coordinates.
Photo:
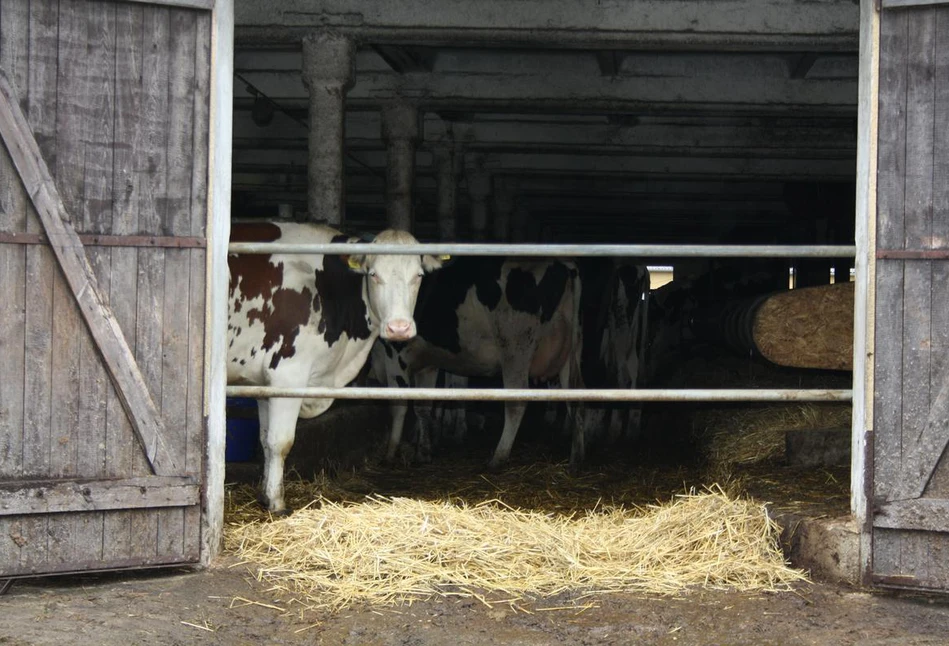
(898, 4)
(201, 118)
(916, 342)
(174, 381)
(920, 461)
(124, 458)
(43, 61)
(109, 337)
(921, 514)
(201, 4)
(887, 384)
(152, 159)
(14, 56)
(198, 226)
(9, 544)
(15, 46)
(22, 498)
(67, 532)
(177, 221)
(891, 167)
(180, 124)
(196, 436)
(64, 405)
(41, 273)
(920, 114)
(12, 359)
(91, 565)
(939, 482)
(940, 225)
(888, 388)
(97, 93)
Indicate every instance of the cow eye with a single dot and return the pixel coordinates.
(372, 273)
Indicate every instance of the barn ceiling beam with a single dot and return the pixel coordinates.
(802, 64)
(609, 61)
(644, 166)
(709, 84)
(754, 137)
(407, 59)
(801, 25)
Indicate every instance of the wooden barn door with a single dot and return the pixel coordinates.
(103, 190)
(910, 505)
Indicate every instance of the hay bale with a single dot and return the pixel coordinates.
(807, 328)
(397, 550)
(756, 434)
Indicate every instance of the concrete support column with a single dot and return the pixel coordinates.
(448, 169)
(328, 72)
(504, 201)
(400, 130)
(479, 189)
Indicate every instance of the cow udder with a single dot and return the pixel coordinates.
(553, 351)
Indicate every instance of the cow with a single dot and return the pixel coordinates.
(618, 342)
(480, 317)
(297, 320)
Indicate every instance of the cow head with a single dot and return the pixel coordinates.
(392, 284)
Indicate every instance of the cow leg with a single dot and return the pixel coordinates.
(578, 416)
(398, 411)
(277, 439)
(424, 414)
(514, 375)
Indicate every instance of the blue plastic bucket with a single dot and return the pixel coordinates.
(243, 430)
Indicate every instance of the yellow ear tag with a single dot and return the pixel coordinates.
(353, 263)
(444, 257)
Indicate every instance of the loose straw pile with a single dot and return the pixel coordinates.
(389, 551)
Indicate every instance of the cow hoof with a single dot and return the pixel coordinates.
(278, 513)
(494, 467)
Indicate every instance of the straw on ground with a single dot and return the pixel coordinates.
(398, 550)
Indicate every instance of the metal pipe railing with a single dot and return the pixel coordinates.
(546, 394)
(551, 250)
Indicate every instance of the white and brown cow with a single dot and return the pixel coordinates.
(299, 320)
(482, 317)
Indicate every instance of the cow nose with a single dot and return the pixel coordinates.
(399, 330)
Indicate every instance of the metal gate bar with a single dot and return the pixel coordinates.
(546, 394)
(553, 250)
(550, 250)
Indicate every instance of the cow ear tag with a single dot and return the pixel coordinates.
(444, 257)
(353, 262)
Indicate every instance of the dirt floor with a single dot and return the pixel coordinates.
(220, 606)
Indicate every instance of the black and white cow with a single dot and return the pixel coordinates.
(481, 317)
(615, 320)
(300, 320)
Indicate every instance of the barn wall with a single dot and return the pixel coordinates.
(911, 291)
(117, 96)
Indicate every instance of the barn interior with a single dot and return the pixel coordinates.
(585, 122)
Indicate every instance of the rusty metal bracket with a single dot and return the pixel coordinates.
(102, 240)
(912, 254)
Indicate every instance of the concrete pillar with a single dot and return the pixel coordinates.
(447, 168)
(504, 200)
(479, 188)
(400, 129)
(328, 72)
